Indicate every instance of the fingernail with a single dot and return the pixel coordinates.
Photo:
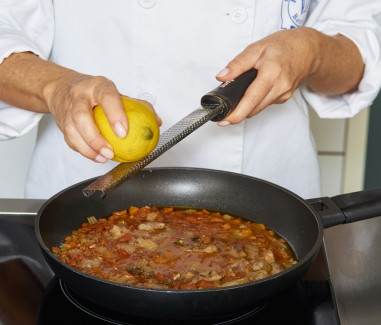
(101, 159)
(223, 73)
(223, 123)
(107, 153)
(120, 130)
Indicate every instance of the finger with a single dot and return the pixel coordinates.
(243, 62)
(85, 125)
(76, 143)
(281, 91)
(158, 118)
(250, 104)
(110, 101)
(266, 101)
(275, 95)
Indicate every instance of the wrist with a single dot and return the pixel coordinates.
(314, 41)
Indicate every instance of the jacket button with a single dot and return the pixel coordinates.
(238, 16)
(147, 4)
(147, 96)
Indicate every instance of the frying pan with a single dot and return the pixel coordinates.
(300, 222)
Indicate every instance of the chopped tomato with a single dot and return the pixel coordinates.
(125, 238)
(160, 277)
(133, 210)
(203, 284)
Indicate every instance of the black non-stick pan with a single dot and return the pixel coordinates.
(299, 221)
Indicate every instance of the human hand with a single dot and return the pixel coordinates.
(71, 100)
(283, 60)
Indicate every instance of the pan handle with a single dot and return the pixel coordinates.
(347, 208)
(228, 94)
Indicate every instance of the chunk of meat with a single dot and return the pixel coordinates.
(129, 248)
(188, 275)
(239, 265)
(117, 232)
(267, 255)
(260, 264)
(258, 275)
(208, 249)
(74, 253)
(211, 276)
(235, 282)
(152, 216)
(232, 252)
(148, 244)
(101, 250)
(276, 268)
(89, 263)
(251, 251)
(151, 226)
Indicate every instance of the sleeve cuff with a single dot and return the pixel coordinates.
(17, 43)
(15, 122)
(368, 40)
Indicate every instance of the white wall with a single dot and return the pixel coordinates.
(15, 155)
(341, 145)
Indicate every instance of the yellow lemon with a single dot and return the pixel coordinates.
(143, 131)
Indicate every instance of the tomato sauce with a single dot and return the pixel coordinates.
(170, 248)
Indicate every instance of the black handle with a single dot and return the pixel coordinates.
(228, 94)
(347, 208)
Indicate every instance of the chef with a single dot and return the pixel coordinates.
(60, 58)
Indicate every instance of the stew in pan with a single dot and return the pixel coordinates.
(168, 248)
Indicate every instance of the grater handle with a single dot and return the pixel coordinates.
(228, 94)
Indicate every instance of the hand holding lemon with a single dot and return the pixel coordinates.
(143, 131)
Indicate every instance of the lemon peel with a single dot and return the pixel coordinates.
(143, 131)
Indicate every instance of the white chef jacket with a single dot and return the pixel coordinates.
(168, 52)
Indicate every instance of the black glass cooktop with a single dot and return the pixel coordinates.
(307, 302)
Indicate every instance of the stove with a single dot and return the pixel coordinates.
(31, 294)
(307, 302)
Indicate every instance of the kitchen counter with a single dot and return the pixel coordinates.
(354, 260)
(353, 255)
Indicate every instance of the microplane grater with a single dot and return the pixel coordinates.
(168, 139)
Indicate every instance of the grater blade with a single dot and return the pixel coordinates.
(168, 139)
